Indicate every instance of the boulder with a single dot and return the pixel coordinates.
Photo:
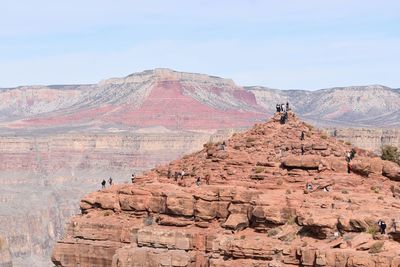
(236, 221)
(391, 170)
(302, 162)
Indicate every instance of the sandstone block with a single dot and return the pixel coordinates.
(302, 162)
(236, 221)
(180, 205)
(391, 170)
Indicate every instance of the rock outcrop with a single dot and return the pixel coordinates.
(261, 198)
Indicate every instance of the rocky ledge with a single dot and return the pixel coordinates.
(255, 209)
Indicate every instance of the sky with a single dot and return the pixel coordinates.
(297, 44)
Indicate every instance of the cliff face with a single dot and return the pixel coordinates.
(5, 256)
(43, 178)
(371, 139)
(261, 198)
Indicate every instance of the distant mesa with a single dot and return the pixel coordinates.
(189, 101)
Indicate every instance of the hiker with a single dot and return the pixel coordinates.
(326, 188)
(349, 167)
(207, 178)
(287, 105)
(352, 154)
(348, 157)
(176, 174)
(302, 149)
(169, 174)
(133, 178)
(278, 108)
(309, 186)
(103, 184)
(302, 135)
(282, 107)
(110, 180)
(382, 226)
(222, 146)
(394, 225)
(198, 181)
(182, 174)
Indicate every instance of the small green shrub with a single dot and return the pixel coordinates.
(291, 220)
(309, 126)
(324, 136)
(272, 232)
(259, 169)
(288, 237)
(251, 139)
(391, 153)
(372, 230)
(376, 189)
(376, 247)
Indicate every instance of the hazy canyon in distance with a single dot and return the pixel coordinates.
(58, 142)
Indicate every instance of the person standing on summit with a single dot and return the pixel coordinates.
(278, 108)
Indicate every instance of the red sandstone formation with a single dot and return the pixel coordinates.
(255, 211)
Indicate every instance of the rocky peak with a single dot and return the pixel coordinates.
(261, 198)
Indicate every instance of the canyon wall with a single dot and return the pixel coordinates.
(371, 139)
(42, 179)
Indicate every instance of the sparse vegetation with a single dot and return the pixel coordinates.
(309, 126)
(348, 143)
(324, 136)
(279, 182)
(288, 237)
(259, 169)
(291, 220)
(344, 191)
(237, 147)
(251, 139)
(391, 153)
(288, 192)
(372, 230)
(272, 232)
(107, 213)
(376, 189)
(209, 144)
(376, 247)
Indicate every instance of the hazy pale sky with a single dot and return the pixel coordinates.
(281, 44)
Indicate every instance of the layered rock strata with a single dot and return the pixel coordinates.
(249, 207)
